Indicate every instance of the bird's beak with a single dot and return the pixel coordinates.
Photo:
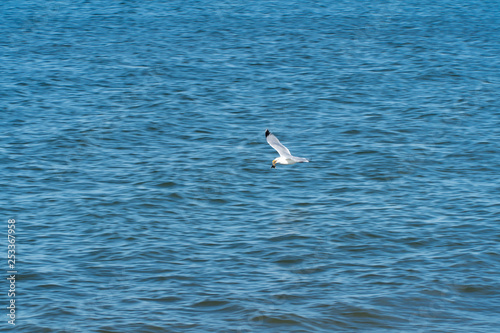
(274, 165)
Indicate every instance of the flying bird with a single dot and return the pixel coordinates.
(285, 156)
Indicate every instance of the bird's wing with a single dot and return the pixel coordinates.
(300, 159)
(276, 144)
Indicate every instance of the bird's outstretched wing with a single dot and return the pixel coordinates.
(276, 144)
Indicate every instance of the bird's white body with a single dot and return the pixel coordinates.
(284, 160)
(285, 156)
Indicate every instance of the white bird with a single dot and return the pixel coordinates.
(285, 156)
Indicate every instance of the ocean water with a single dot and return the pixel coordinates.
(135, 165)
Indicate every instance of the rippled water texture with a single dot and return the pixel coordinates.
(135, 165)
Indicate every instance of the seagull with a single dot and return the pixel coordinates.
(285, 156)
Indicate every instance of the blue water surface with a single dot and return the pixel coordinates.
(135, 164)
